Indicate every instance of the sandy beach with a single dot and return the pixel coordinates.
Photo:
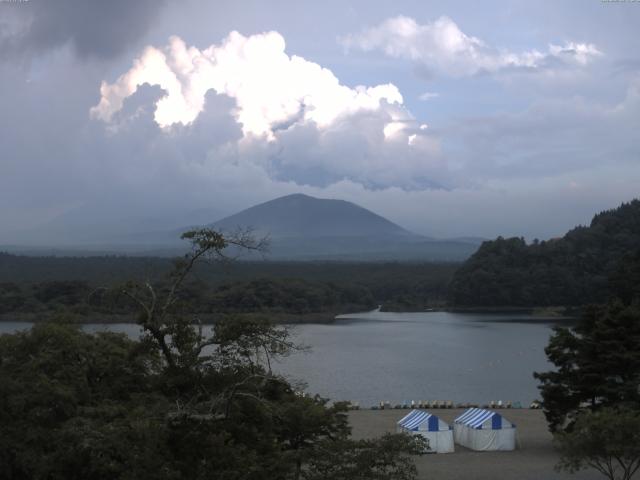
(534, 460)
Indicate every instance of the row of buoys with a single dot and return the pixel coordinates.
(415, 405)
(441, 404)
(501, 404)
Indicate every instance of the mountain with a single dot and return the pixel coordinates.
(303, 216)
(301, 227)
(582, 267)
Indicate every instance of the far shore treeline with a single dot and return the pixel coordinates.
(588, 265)
(32, 288)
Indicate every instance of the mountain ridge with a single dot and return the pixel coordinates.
(300, 215)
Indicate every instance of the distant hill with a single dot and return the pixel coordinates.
(301, 227)
(300, 215)
(577, 269)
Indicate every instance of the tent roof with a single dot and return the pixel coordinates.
(475, 418)
(415, 418)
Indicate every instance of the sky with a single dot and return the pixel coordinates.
(450, 118)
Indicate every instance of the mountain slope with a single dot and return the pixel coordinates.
(301, 227)
(573, 270)
(300, 215)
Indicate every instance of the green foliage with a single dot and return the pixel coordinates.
(205, 239)
(240, 287)
(573, 270)
(177, 404)
(592, 398)
(597, 364)
(94, 270)
(11, 297)
(289, 295)
(607, 440)
(56, 383)
(64, 292)
(625, 281)
(376, 459)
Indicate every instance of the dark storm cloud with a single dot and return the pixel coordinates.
(94, 28)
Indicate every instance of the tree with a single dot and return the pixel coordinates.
(597, 365)
(179, 403)
(161, 316)
(625, 282)
(607, 440)
(388, 457)
(11, 297)
(71, 403)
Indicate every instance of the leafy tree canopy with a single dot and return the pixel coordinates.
(176, 404)
(607, 440)
(597, 364)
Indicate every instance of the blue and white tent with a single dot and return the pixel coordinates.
(438, 433)
(480, 429)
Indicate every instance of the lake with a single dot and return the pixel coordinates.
(396, 357)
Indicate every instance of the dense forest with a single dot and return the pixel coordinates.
(577, 269)
(43, 287)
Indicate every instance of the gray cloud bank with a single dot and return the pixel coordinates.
(94, 28)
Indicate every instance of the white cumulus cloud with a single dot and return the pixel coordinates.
(442, 46)
(270, 87)
(298, 122)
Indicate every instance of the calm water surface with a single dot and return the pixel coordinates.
(378, 356)
(374, 356)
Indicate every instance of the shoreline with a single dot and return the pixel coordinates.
(207, 319)
(555, 314)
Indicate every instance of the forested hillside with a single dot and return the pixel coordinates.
(573, 270)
